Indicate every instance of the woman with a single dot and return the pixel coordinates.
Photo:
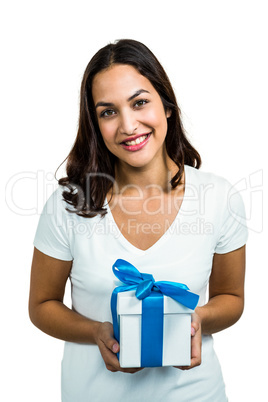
(133, 191)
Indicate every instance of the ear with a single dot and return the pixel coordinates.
(168, 113)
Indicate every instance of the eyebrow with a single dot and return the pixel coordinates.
(137, 93)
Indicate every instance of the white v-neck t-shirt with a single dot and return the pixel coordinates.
(211, 220)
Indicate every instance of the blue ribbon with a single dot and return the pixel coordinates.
(151, 293)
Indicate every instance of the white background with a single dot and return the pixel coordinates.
(215, 53)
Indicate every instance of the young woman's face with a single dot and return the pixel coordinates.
(130, 114)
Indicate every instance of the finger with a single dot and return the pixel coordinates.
(108, 339)
(110, 360)
(111, 368)
(109, 357)
(112, 364)
(131, 370)
(109, 347)
(195, 347)
(195, 361)
(195, 326)
(183, 367)
(196, 350)
(107, 354)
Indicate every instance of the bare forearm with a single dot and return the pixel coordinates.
(57, 320)
(220, 312)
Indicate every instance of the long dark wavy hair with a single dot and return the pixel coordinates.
(90, 165)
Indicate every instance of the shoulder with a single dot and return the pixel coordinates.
(55, 205)
(207, 181)
(64, 213)
(56, 197)
(200, 176)
(214, 191)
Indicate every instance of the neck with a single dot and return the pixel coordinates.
(146, 179)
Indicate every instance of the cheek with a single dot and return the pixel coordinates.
(107, 131)
(156, 118)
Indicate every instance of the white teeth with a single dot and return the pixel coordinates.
(137, 141)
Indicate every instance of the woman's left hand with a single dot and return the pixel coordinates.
(196, 343)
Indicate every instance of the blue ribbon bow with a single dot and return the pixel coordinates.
(151, 293)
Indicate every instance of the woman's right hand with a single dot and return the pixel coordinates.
(109, 347)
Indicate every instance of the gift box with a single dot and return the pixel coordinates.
(152, 320)
(176, 350)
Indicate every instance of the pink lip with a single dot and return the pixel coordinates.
(138, 146)
(134, 137)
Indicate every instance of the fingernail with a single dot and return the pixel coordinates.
(192, 331)
(115, 348)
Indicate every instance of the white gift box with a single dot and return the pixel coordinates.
(176, 331)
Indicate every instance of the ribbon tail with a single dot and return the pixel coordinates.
(189, 299)
(183, 296)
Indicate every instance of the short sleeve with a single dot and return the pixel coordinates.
(51, 235)
(233, 233)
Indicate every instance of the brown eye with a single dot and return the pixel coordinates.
(141, 102)
(107, 113)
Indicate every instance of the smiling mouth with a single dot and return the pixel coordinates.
(136, 141)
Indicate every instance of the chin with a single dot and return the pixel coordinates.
(137, 161)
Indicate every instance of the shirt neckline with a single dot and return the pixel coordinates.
(128, 245)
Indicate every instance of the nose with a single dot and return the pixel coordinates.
(128, 122)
